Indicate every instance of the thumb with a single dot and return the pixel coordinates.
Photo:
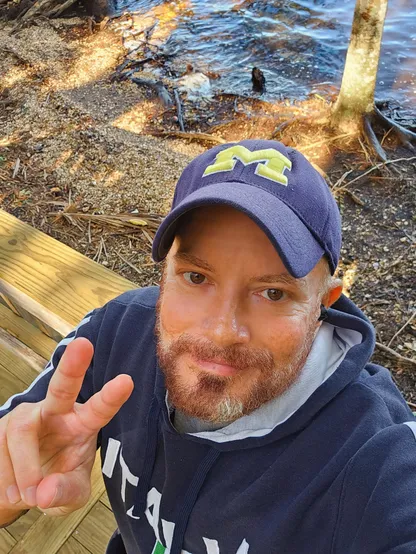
(62, 493)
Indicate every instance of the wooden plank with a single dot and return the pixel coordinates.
(105, 500)
(26, 333)
(9, 384)
(54, 275)
(20, 527)
(72, 546)
(49, 534)
(6, 541)
(18, 359)
(33, 312)
(95, 531)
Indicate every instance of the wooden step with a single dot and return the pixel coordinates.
(26, 333)
(65, 282)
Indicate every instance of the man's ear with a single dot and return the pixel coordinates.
(333, 293)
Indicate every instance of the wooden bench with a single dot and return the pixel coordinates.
(45, 290)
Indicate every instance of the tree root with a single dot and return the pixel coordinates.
(405, 136)
(372, 138)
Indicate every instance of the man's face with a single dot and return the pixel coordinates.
(234, 327)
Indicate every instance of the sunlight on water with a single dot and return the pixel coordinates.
(299, 45)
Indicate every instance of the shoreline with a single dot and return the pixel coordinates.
(74, 140)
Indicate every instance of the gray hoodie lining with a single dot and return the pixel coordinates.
(328, 350)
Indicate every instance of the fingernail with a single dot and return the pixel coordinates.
(57, 497)
(29, 496)
(13, 494)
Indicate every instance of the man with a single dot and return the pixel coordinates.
(235, 409)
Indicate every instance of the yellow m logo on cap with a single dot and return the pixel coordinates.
(273, 168)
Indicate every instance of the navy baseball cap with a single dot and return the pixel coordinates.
(276, 187)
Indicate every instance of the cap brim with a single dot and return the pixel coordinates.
(295, 244)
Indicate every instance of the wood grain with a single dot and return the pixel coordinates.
(6, 541)
(105, 500)
(18, 359)
(9, 384)
(59, 278)
(26, 333)
(95, 531)
(18, 529)
(33, 312)
(48, 534)
(72, 546)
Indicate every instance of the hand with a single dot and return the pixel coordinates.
(47, 449)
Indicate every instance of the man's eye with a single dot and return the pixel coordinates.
(273, 294)
(194, 277)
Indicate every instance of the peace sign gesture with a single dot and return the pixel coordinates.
(47, 449)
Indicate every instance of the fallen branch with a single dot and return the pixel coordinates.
(204, 137)
(133, 221)
(37, 8)
(179, 109)
(395, 354)
(58, 10)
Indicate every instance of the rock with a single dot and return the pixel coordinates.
(196, 84)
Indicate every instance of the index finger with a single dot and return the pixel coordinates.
(67, 379)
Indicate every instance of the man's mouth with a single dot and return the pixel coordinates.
(218, 366)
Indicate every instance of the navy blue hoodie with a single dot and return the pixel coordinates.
(329, 467)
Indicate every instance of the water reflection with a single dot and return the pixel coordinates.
(298, 45)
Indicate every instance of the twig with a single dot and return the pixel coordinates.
(149, 238)
(411, 404)
(322, 142)
(394, 353)
(104, 248)
(342, 179)
(128, 263)
(355, 198)
(377, 166)
(16, 168)
(401, 328)
(179, 108)
(97, 256)
(189, 136)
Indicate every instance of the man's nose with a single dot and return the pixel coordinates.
(224, 323)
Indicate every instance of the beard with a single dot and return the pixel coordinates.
(223, 399)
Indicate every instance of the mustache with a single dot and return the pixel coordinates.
(240, 357)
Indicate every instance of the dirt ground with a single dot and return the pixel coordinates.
(79, 160)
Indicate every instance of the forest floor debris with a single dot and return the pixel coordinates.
(93, 161)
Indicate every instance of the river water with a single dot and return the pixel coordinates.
(300, 46)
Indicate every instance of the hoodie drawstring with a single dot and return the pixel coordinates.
(189, 500)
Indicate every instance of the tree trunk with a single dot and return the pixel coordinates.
(356, 97)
